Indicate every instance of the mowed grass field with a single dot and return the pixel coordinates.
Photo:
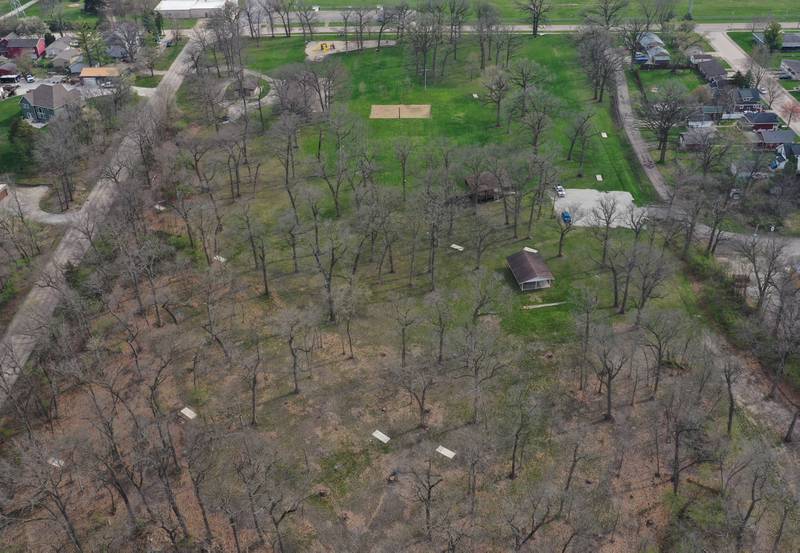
(386, 77)
(572, 11)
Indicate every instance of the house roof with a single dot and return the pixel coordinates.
(694, 137)
(656, 50)
(486, 181)
(99, 72)
(748, 95)
(711, 69)
(762, 117)
(186, 5)
(777, 137)
(8, 66)
(527, 266)
(22, 42)
(790, 40)
(794, 65)
(58, 45)
(650, 39)
(68, 54)
(51, 96)
(790, 149)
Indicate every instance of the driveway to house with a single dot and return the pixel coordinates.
(33, 316)
(739, 60)
(28, 199)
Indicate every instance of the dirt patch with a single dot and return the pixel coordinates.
(317, 50)
(400, 111)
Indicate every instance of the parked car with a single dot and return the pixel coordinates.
(29, 78)
(566, 217)
(560, 192)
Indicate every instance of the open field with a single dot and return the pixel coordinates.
(147, 81)
(383, 78)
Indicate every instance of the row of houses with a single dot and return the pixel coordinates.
(791, 41)
(761, 129)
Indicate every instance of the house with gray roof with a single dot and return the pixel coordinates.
(46, 101)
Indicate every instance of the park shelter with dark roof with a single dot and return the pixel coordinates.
(530, 270)
(485, 188)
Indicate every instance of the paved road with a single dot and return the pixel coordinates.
(30, 322)
(740, 61)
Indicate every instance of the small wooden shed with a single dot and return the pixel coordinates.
(530, 270)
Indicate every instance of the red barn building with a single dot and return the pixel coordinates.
(13, 46)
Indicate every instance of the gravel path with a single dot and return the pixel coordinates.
(31, 319)
(29, 199)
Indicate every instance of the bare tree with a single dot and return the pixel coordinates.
(567, 226)
(661, 114)
(425, 482)
(535, 12)
(763, 256)
(609, 357)
(606, 12)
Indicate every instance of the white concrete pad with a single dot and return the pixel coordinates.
(599, 178)
(446, 452)
(219, 258)
(380, 436)
(57, 463)
(474, 95)
(530, 250)
(456, 247)
(604, 134)
(587, 200)
(188, 414)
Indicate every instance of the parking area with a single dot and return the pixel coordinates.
(583, 202)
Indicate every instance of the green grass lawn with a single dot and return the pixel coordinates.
(9, 110)
(147, 81)
(385, 77)
(654, 80)
(568, 11)
(169, 54)
(745, 41)
(271, 54)
(73, 13)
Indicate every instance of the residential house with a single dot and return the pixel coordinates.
(56, 47)
(695, 139)
(770, 140)
(13, 46)
(791, 68)
(712, 71)
(705, 116)
(747, 99)
(783, 154)
(759, 121)
(530, 270)
(657, 54)
(67, 57)
(791, 41)
(99, 76)
(45, 101)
